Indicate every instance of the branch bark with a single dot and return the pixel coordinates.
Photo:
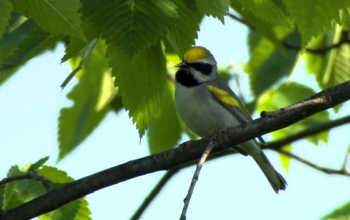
(270, 121)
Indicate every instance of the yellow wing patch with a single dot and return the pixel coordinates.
(196, 53)
(224, 96)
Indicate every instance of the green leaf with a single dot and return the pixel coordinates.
(275, 67)
(285, 160)
(141, 83)
(5, 12)
(76, 210)
(131, 26)
(258, 25)
(11, 197)
(17, 30)
(165, 131)
(35, 43)
(38, 164)
(262, 68)
(313, 17)
(216, 8)
(75, 45)
(267, 11)
(91, 97)
(57, 176)
(317, 63)
(285, 95)
(55, 17)
(341, 213)
(183, 32)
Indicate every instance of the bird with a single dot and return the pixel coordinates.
(205, 103)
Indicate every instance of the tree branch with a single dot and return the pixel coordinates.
(29, 175)
(312, 130)
(342, 171)
(187, 152)
(275, 145)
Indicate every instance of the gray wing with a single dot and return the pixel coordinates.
(241, 113)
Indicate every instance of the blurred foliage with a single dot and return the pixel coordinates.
(341, 213)
(124, 53)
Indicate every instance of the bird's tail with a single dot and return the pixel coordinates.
(275, 179)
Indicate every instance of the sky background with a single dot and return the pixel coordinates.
(232, 187)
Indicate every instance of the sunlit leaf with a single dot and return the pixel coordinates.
(91, 97)
(322, 16)
(130, 26)
(55, 17)
(215, 8)
(266, 10)
(183, 32)
(165, 132)
(141, 83)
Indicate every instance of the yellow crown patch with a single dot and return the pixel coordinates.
(196, 53)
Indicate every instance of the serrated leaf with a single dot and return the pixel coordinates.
(38, 164)
(165, 131)
(285, 95)
(141, 83)
(55, 17)
(17, 30)
(216, 8)
(275, 67)
(266, 10)
(131, 26)
(76, 210)
(260, 26)
(35, 43)
(78, 121)
(75, 45)
(323, 16)
(340, 213)
(183, 32)
(5, 12)
(55, 175)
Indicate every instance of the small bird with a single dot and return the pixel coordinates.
(205, 104)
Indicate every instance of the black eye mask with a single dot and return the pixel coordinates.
(184, 77)
(204, 68)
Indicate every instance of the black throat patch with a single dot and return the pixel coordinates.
(184, 77)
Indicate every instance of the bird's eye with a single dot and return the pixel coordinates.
(204, 68)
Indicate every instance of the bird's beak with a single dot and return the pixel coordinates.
(183, 64)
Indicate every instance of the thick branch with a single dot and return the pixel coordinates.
(275, 145)
(169, 159)
(312, 130)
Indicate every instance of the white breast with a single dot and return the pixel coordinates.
(200, 111)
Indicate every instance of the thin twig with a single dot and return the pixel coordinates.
(205, 154)
(155, 191)
(315, 166)
(321, 50)
(29, 175)
(343, 167)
